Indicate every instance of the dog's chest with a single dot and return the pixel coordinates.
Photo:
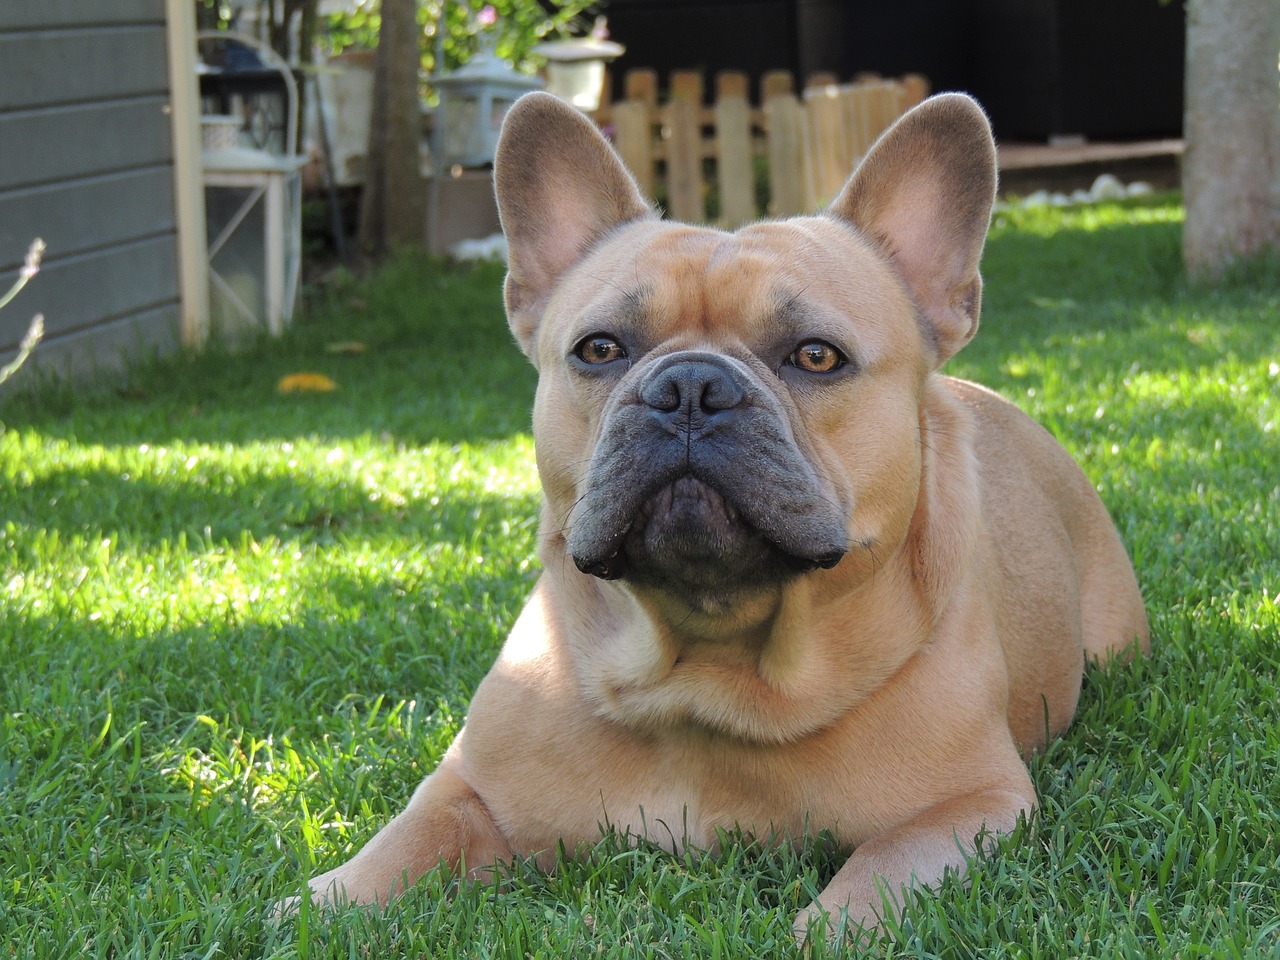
(551, 767)
(674, 794)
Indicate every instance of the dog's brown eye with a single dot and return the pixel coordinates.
(598, 348)
(817, 356)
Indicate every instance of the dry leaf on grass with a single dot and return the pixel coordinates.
(306, 383)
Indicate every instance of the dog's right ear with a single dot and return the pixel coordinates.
(560, 189)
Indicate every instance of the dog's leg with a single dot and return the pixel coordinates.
(445, 824)
(888, 867)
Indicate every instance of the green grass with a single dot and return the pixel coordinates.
(237, 627)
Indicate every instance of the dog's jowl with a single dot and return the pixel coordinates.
(794, 578)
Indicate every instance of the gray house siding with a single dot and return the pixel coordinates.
(86, 163)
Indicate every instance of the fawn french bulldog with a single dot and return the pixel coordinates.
(793, 577)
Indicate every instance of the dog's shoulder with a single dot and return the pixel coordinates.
(1026, 476)
(1001, 427)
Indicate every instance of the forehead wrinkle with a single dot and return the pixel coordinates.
(681, 298)
(629, 308)
(678, 298)
(726, 247)
(791, 310)
(742, 284)
(612, 302)
(793, 316)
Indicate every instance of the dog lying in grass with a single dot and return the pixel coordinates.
(793, 577)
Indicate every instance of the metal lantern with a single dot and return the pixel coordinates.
(575, 69)
(473, 101)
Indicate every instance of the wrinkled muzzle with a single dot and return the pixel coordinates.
(697, 479)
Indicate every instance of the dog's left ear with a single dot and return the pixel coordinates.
(560, 189)
(925, 193)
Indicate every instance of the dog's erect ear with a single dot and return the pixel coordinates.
(560, 188)
(925, 192)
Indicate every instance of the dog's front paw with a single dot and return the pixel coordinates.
(817, 922)
(326, 893)
(812, 921)
(287, 908)
(284, 909)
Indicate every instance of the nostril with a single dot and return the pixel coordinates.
(669, 391)
(721, 393)
(662, 393)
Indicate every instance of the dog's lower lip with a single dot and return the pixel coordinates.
(828, 560)
(821, 562)
(610, 568)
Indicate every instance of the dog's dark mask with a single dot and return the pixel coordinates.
(697, 484)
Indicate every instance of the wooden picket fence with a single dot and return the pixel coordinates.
(681, 150)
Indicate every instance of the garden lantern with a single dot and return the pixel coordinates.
(473, 101)
(575, 69)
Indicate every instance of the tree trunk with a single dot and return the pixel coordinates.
(393, 207)
(1231, 169)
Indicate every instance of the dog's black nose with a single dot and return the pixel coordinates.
(693, 390)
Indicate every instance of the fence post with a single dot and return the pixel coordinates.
(859, 122)
(785, 121)
(776, 83)
(734, 154)
(633, 136)
(830, 158)
(641, 83)
(684, 161)
(884, 105)
(915, 87)
(812, 143)
(687, 85)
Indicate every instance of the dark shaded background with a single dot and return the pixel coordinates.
(1102, 69)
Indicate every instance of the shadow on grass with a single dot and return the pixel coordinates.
(1111, 339)
(410, 398)
(1136, 261)
(420, 352)
(94, 504)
